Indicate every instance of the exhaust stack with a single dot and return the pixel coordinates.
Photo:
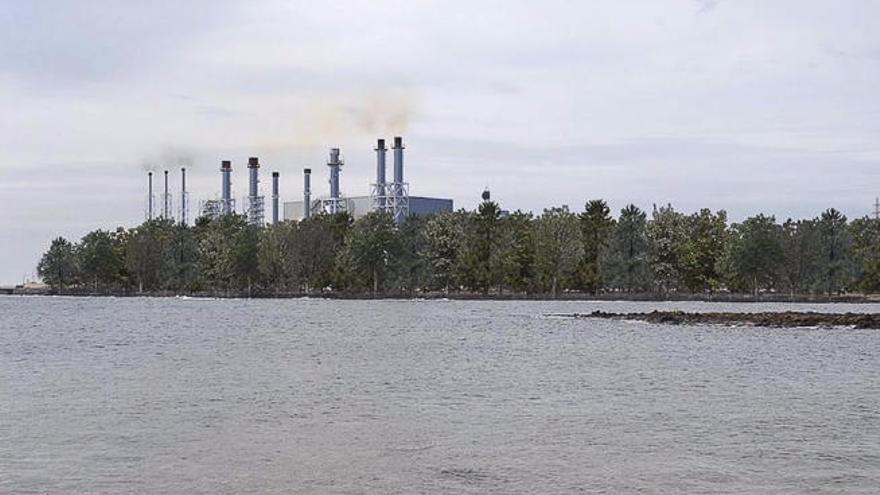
(335, 164)
(166, 200)
(149, 195)
(399, 191)
(255, 201)
(275, 197)
(307, 193)
(184, 200)
(226, 187)
(381, 188)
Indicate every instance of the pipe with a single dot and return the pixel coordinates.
(165, 204)
(226, 171)
(183, 205)
(307, 193)
(275, 197)
(380, 173)
(150, 196)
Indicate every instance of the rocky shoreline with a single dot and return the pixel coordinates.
(786, 319)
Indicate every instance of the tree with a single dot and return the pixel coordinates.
(146, 255)
(667, 233)
(753, 254)
(865, 234)
(702, 250)
(627, 260)
(516, 252)
(58, 266)
(444, 233)
(409, 267)
(835, 244)
(596, 227)
(558, 247)
(479, 267)
(274, 253)
(99, 260)
(317, 240)
(370, 245)
(800, 246)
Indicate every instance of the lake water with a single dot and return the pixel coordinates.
(147, 395)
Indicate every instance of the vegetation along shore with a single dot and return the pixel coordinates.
(485, 253)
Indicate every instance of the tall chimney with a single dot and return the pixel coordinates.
(380, 173)
(226, 172)
(398, 160)
(149, 195)
(334, 165)
(165, 205)
(275, 197)
(400, 208)
(253, 170)
(184, 207)
(307, 192)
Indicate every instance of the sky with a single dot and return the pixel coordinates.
(748, 106)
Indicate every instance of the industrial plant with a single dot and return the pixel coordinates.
(385, 196)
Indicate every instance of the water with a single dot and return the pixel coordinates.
(311, 396)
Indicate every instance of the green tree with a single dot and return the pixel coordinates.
(410, 266)
(865, 233)
(596, 227)
(369, 247)
(800, 247)
(58, 267)
(558, 247)
(627, 261)
(146, 257)
(275, 251)
(752, 258)
(517, 251)
(667, 233)
(99, 259)
(444, 233)
(835, 244)
(183, 259)
(479, 266)
(702, 250)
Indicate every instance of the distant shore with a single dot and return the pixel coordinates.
(466, 296)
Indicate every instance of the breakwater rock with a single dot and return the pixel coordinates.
(787, 319)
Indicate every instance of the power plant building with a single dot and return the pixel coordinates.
(392, 197)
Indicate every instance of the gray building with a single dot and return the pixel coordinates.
(359, 206)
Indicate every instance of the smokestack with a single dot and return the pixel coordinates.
(380, 173)
(183, 199)
(307, 193)
(275, 197)
(253, 170)
(401, 206)
(334, 165)
(226, 186)
(165, 205)
(398, 160)
(149, 195)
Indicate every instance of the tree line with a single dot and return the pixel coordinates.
(483, 251)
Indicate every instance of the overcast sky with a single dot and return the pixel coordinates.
(748, 106)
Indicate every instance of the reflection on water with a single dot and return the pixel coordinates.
(235, 396)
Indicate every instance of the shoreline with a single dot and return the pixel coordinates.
(463, 296)
(783, 319)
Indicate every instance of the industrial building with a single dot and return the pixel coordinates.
(387, 196)
(392, 197)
